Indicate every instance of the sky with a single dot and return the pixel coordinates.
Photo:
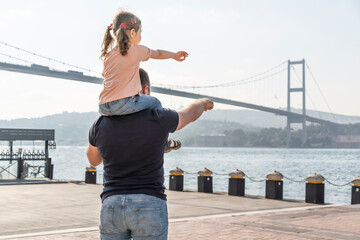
(226, 41)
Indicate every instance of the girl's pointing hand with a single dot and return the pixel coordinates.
(180, 56)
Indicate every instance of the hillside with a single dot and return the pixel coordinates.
(72, 128)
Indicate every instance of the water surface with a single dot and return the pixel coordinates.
(337, 165)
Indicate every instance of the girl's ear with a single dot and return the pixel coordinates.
(132, 33)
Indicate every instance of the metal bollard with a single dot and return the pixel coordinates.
(274, 186)
(176, 181)
(20, 169)
(51, 171)
(90, 175)
(205, 181)
(48, 167)
(315, 189)
(237, 183)
(355, 193)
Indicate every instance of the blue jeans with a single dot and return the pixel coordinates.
(133, 216)
(129, 105)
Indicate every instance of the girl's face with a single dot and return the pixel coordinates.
(135, 37)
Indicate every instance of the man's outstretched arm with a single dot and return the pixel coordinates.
(93, 155)
(193, 111)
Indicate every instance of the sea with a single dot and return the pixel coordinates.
(338, 166)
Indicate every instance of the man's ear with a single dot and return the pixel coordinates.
(146, 90)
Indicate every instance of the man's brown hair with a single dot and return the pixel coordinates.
(144, 78)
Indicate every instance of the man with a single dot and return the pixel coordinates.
(171, 144)
(131, 147)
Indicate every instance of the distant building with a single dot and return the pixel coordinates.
(346, 141)
(210, 140)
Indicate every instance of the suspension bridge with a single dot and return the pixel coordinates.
(11, 63)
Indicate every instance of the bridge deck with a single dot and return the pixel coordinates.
(78, 76)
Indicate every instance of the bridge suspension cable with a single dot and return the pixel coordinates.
(307, 93)
(44, 57)
(322, 95)
(19, 59)
(250, 79)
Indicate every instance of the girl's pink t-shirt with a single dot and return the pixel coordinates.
(121, 73)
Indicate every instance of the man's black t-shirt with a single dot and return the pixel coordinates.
(132, 149)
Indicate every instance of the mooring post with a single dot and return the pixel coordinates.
(205, 183)
(355, 193)
(315, 189)
(176, 181)
(90, 175)
(274, 186)
(237, 183)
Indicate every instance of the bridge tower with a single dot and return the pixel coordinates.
(293, 90)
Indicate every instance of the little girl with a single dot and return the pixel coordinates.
(121, 93)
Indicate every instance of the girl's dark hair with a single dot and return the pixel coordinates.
(122, 24)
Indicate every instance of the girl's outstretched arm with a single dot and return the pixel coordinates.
(162, 54)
